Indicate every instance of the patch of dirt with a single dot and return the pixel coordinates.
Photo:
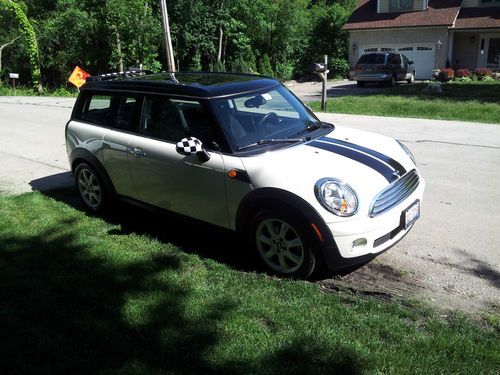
(452, 286)
(376, 279)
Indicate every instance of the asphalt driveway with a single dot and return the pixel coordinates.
(451, 258)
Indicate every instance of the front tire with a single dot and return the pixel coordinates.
(90, 187)
(283, 244)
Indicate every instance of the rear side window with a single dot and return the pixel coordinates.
(173, 119)
(120, 112)
(97, 110)
(395, 59)
(372, 58)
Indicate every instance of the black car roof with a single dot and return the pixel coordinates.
(194, 84)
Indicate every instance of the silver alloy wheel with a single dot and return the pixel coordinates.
(279, 245)
(412, 79)
(89, 188)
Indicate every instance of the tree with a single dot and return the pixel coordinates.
(26, 31)
(265, 67)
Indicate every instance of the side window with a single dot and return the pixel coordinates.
(161, 120)
(173, 119)
(127, 113)
(97, 110)
(405, 60)
(395, 59)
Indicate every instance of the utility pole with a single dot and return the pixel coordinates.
(168, 39)
(323, 91)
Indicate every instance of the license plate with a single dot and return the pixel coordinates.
(411, 214)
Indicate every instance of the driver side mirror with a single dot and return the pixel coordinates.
(192, 146)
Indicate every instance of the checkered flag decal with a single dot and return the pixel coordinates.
(188, 146)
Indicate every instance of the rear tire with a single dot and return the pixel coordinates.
(392, 82)
(360, 84)
(91, 188)
(283, 244)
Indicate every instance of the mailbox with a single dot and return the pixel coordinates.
(14, 75)
(318, 67)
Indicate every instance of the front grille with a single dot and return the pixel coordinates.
(395, 193)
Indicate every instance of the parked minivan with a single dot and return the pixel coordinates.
(243, 153)
(385, 67)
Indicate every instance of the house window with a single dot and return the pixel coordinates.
(424, 49)
(490, 2)
(387, 49)
(400, 5)
(494, 52)
(371, 49)
(406, 49)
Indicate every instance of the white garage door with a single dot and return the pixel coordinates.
(423, 56)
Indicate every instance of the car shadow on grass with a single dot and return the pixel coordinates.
(192, 236)
(66, 308)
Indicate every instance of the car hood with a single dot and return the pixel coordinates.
(366, 161)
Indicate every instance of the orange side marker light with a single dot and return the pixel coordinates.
(318, 233)
(232, 173)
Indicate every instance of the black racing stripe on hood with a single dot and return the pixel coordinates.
(386, 159)
(360, 157)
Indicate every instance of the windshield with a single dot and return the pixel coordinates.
(264, 117)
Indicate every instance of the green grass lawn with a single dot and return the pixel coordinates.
(6, 90)
(474, 101)
(139, 293)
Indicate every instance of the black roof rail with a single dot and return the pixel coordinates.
(127, 74)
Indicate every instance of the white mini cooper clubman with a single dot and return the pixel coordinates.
(243, 153)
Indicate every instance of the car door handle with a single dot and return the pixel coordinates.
(137, 151)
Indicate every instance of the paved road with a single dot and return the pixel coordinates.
(311, 91)
(450, 258)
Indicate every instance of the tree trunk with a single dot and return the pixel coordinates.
(3, 46)
(119, 48)
(221, 35)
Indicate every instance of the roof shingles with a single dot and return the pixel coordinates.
(478, 18)
(439, 13)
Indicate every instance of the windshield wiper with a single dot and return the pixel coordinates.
(311, 126)
(271, 140)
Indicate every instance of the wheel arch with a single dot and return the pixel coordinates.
(265, 198)
(81, 155)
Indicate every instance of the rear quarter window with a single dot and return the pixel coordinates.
(96, 109)
(116, 111)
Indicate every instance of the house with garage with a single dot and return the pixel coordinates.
(432, 33)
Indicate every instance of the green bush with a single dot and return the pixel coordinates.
(239, 65)
(218, 67)
(284, 71)
(265, 67)
(339, 68)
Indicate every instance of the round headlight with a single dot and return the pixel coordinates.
(407, 150)
(336, 196)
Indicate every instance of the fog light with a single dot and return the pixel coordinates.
(359, 242)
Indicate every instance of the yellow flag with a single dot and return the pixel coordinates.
(78, 77)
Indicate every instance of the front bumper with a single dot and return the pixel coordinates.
(359, 240)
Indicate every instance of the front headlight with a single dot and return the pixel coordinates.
(336, 196)
(407, 150)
